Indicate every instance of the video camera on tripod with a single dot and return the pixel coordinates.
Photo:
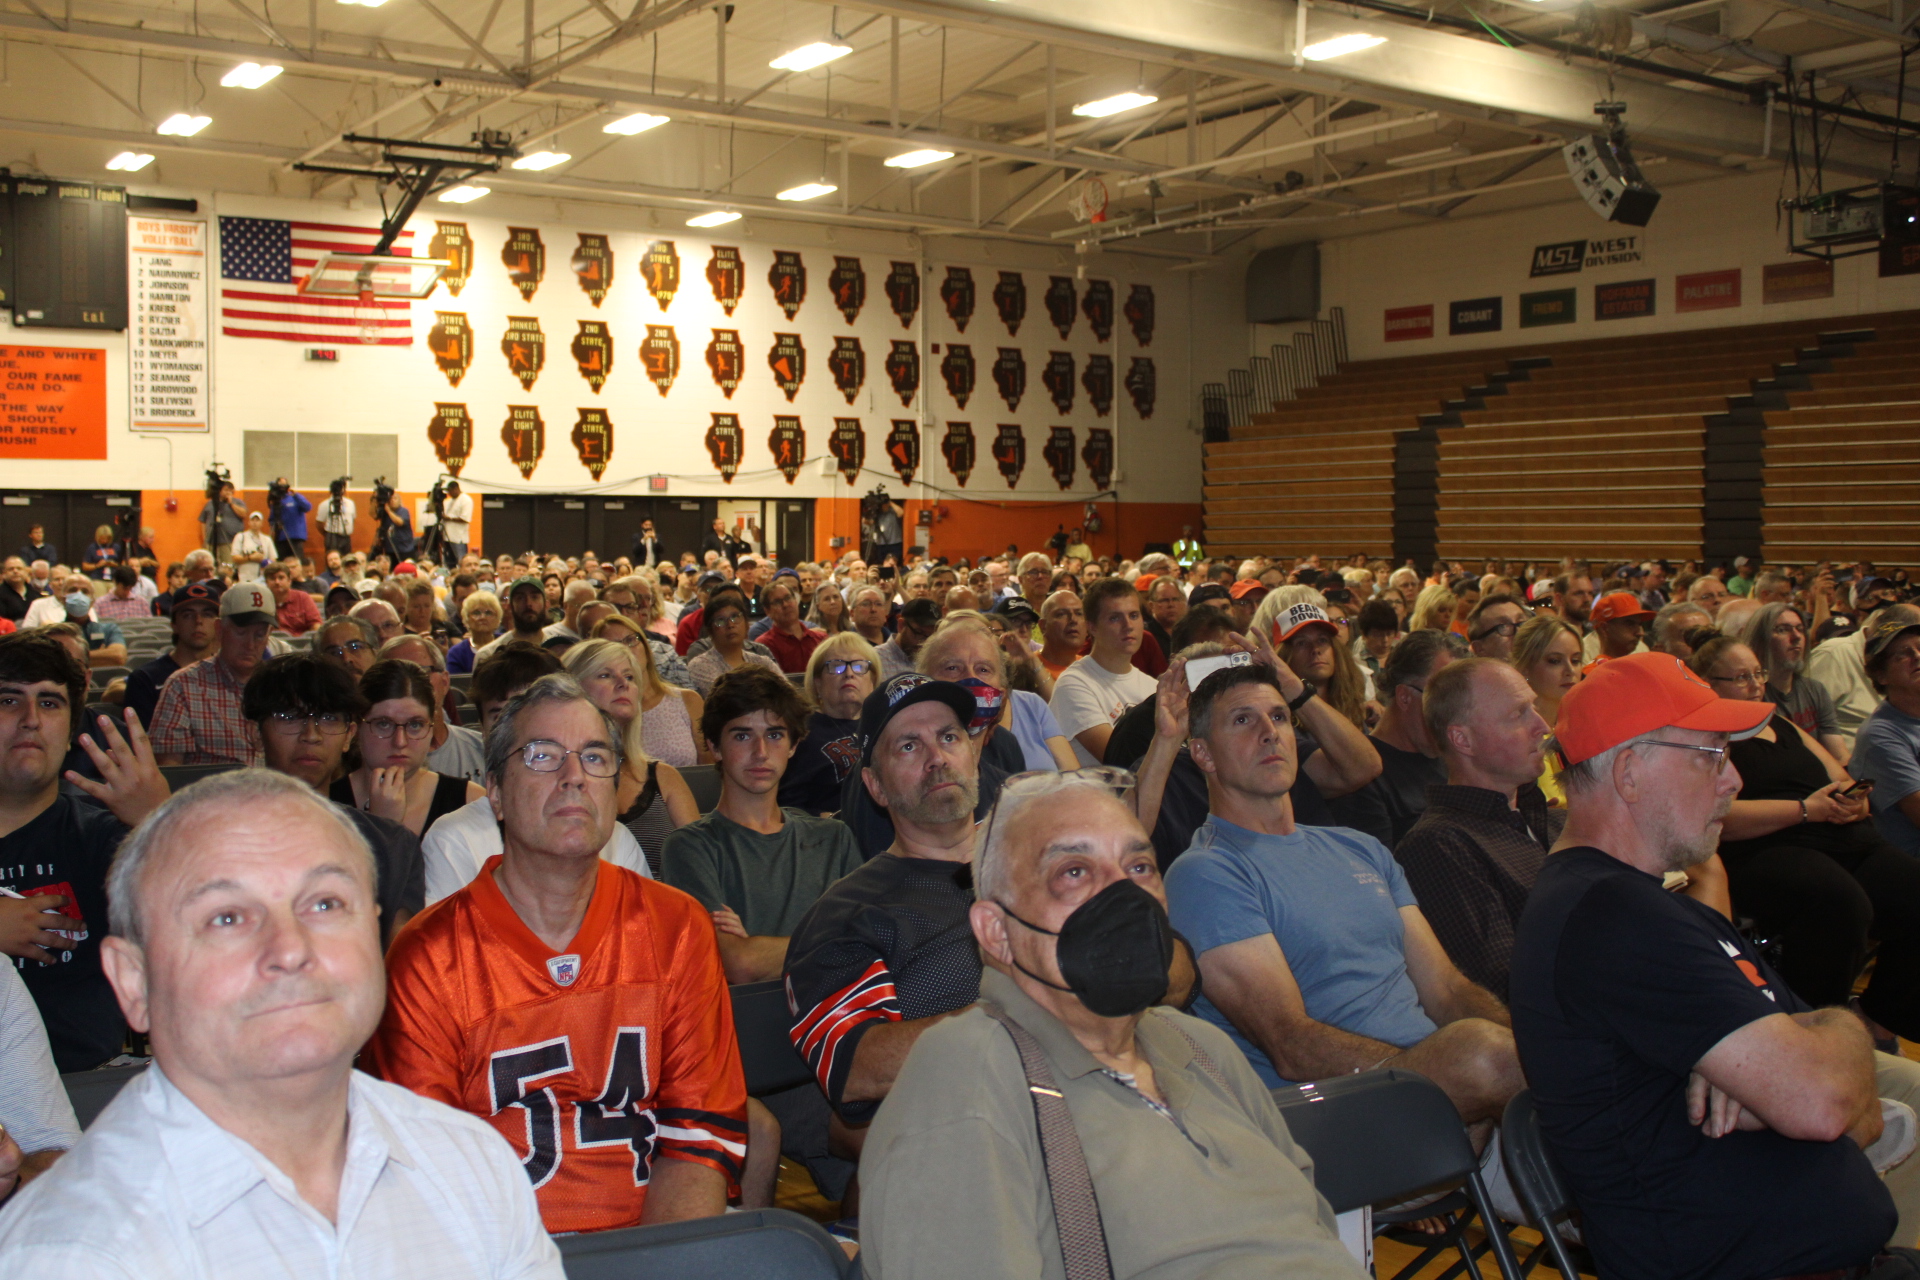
(217, 477)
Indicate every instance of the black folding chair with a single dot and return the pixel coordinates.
(766, 1244)
(1384, 1137)
(761, 1023)
(1536, 1180)
(704, 781)
(91, 1091)
(185, 775)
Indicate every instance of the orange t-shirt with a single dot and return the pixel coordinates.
(591, 1063)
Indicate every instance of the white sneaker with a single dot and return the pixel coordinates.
(1897, 1135)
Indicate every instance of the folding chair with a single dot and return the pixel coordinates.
(767, 1244)
(1536, 1180)
(91, 1091)
(761, 1023)
(704, 781)
(101, 677)
(1383, 1137)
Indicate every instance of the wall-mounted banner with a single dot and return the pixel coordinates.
(592, 265)
(1568, 257)
(903, 371)
(660, 268)
(1063, 304)
(1010, 300)
(1475, 315)
(956, 370)
(1139, 313)
(847, 362)
(956, 291)
(1097, 453)
(788, 276)
(1097, 306)
(788, 360)
(1560, 259)
(1010, 376)
(53, 402)
(727, 276)
(903, 448)
(1010, 452)
(660, 356)
(452, 244)
(848, 445)
(593, 440)
(525, 348)
(167, 329)
(1058, 453)
(1098, 381)
(1405, 324)
(726, 360)
(451, 341)
(1057, 378)
(1707, 290)
(848, 284)
(525, 256)
(957, 448)
(1623, 300)
(1143, 385)
(1549, 306)
(592, 349)
(725, 442)
(451, 434)
(788, 442)
(903, 292)
(525, 435)
(1801, 280)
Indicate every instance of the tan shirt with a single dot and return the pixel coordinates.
(954, 1187)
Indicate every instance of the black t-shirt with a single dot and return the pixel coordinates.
(1618, 988)
(888, 943)
(67, 850)
(1387, 807)
(821, 765)
(402, 883)
(143, 686)
(14, 604)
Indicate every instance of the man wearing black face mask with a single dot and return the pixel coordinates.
(1071, 921)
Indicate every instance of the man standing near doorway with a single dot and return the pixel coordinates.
(456, 519)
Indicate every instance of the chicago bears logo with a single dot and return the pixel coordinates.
(1063, 304)
(660, 356)
(957, 448)
(849, 285)
(727, 276)
(903, 371)
(957, 292)
(789, 445)
(903, 292)
(726, 360)
(1059, 456)
(525, 348)
(451, 434)
(724, 441)
(451, 341)
(1057, 378)
(593, 440)
(660, 268)
(593, 266)
(525, 436)
(1139, 313)
(1010, 376)
(593, 353)
(956, 370)
(788, 276)
(1010, 300)
(1098, 381)
(788, 360)
(526, 258)
(1142, 385)
(1097, 306)
(1010, 452)
(452, 244)
(1097, 453)
(847, 362)
(903, 448)
(848, 445)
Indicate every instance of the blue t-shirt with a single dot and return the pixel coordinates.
(1887, 750)
(1033, 724)
(1331, 897)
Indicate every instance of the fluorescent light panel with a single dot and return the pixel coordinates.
(809, 56)
(365, 4)
(130, 161)
(1115, 105)
(464, 194)
(916, 159)
(718, 218)
(807, 191)
(182, 125)
(1321, 50)
(638, 122)
(542, 160)
(249, 75)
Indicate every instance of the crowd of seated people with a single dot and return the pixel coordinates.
(1639, 838)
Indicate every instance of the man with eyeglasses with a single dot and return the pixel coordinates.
(1388, 807)
(1706, 1120)
(198, 719)
(577, 1007)
(349, 641)
(1493, 623)
(304, 713)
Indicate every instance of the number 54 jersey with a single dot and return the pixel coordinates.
(592, 1063)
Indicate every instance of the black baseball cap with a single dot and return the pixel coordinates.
(909, 689)
(1207, 591)
(1016, 610)
(198, 593)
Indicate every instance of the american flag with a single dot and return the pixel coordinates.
(270, 255)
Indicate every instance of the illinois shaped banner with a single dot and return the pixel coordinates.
(592, 265)
(848, 445)
(726, 360)
(789, 445)
(593, 440)
(958, 449)
(725, 440)
(660, 356)
(848, 364)
(451, 341)
(788, 276)
(903, 292)
(788, 360)
(727, 276)
(452, 243)
(1010, 452)
(903, 448)
(525, 348)
(451, 434)
(660, 268)
(593, 352)
(903, 371)
(956, 291)
(849, 285)
(525, 256)
(525, 436)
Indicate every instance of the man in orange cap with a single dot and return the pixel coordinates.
(1708, 1122)
(1619, 626)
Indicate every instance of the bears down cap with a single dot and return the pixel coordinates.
(1636, 695)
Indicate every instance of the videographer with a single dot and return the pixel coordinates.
(288, 511)
(888, 537)
(395, 533)
(222, 518)
(337, 517)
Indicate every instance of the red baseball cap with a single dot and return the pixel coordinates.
(1619, 606)
(1637, 694)
(1246, 587)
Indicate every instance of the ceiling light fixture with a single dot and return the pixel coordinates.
(182, 125)
(130, 161)
(542, 160)
(718, 218)
(1321, 50)
(249, 75)
(916, 159)
(807, 191)
(1115, 105)
(809, 56)
(464, 194)
(638, 122)
(365, 4)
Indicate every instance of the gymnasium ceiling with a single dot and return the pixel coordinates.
(1458, 112)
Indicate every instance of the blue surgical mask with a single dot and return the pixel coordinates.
(78, 603)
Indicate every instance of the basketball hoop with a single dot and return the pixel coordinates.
(1088, 203)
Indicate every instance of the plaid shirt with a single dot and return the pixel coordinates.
(111, 608)
(199, 717)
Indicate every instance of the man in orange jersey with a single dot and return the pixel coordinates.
(576, 1006)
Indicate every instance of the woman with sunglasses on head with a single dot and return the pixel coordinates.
(1802, 863)
(843, 670)
(391, 779)
(668, 712)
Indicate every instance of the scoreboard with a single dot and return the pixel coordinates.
(63, 253)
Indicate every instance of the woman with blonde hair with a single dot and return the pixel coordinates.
(841, 672)
(1433, 609)
(480, 614)
(965, 650)
(668, 712)
(653, 799)
(1546, 653)
(1267, 617)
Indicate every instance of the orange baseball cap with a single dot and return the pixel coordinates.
(1246, 587)
(1619, 606)
(1627, 697)
(1145, 581)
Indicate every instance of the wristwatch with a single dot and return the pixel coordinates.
(1306, 696)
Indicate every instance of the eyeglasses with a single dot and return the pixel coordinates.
(544, 756)
(1719, 754)
(1497, 629)
(859, 667)
(1753, 678)
(630, 640)
(291, 723)
(384, 728)
(342, 650)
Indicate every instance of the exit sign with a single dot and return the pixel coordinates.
(327, 354)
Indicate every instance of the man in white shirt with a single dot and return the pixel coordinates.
(457, 516)
(52, 607)
(35, 1115)
(1093, 693)
(1840, 665)
(252, 548)
(252, 1147)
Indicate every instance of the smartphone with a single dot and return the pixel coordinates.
(1864, 784)
(1200, 668)
(886, 573)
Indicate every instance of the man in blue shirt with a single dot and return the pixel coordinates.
(290, 522)
(1313, 953)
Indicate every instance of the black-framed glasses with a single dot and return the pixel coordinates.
(1506, 629)
(351, 646)
(415, 729)
(858, 666)
(292, 723)
(543, 755)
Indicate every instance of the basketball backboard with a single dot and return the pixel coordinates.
(353, 275)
